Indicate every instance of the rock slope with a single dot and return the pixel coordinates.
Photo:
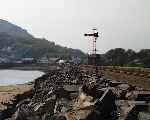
(75, 93)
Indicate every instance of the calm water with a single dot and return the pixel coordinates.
(12, 77)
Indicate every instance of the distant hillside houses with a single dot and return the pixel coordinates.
(42, 60)
(53, 60)
(28, 60)
(50, 60)
(75, 60)
(4, 60)
(58, 60)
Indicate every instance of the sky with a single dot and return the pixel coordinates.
(122, 23)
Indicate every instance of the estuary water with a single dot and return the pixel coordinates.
(13, 77)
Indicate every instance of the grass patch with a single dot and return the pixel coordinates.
(140, 83)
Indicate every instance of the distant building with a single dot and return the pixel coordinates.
(43, 60)
(28, 60)
(53, 60)
(7, 49)
(60, 62)
(17, 61)
(75, 60)
(4, 60)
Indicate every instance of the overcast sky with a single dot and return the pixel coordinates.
(123, 23)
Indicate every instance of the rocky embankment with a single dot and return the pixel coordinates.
(74, 93)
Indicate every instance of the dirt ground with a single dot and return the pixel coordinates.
(8, 93)
(136, 80)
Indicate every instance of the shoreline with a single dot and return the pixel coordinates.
(27, 67)
(39, 67)
(9, 93)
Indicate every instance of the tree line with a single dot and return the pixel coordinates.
(129, 58)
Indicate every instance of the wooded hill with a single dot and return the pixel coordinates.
(16, 43)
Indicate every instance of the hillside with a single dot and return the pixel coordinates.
(16, 43)
(13, 30)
